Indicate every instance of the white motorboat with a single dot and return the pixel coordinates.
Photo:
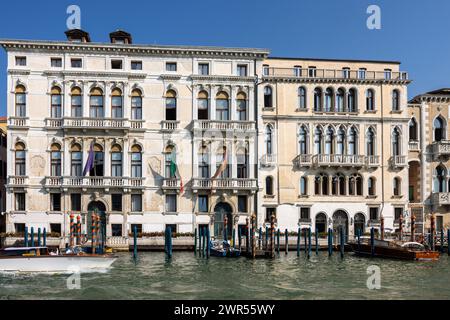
(39, 259)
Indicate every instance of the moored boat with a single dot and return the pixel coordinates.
(223, 249)
(394, 250)
(39, 259)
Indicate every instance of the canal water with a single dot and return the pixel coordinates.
(286, 277)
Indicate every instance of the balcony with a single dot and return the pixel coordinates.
(93, 182)
(334, 74)
(398, 162)
(171, 184)
(303, 160)
(17, 181)
(413, 146)
(441, 148)
(372, 161)
(234, 184)
(216, 125)
(169, 125)
(440, 198)
(95, 123)
(268, 160)
(19, 122)
(337, 160)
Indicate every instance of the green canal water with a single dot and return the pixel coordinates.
(286, 277)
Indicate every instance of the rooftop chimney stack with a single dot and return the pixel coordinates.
(77, 35)
(120, 37)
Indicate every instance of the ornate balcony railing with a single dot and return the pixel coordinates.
(171, 184)
(21, 122)
(339, 160)
(216, 125)
(312, 73)
(372, 161)
(441, 148)
(303, 160)
(228, 184)
(398, 161)
(94, 182)
(413, 146)
(136, 124)
(95, 123)
(440, 198)
(17, 181)
(268, 160)
(54, 123)
(169, 125)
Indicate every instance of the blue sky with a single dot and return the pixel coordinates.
(414, 32)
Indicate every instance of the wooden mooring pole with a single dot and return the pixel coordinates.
(286, 241)
(330, 242)
(316, 235)
(272, 229)
(298, 242)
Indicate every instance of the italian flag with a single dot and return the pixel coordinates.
(174, 172)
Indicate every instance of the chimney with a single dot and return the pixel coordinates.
(77, 35)
(120, 37)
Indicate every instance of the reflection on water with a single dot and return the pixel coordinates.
(287, 277)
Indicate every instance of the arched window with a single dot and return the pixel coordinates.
(269, 186)
(202, 105)
(303, 186)
(203, 162)
(397, 186)
(341, 184)
(20, 157)
(242, 163)
(329, 100)
(303, 140)
(241, 106)
(222, 106)
(56, 103)
(395, 100)
(318, 140)
(352, 142)
(76, 158)
(321, 184)
(55, 160)
(116, 161)
(351, 100)
(321, 223)
(340, 144)
(396, 142)
(76, 103)
(136, 161)
(334, 185)
(325, 188)
(370, 100)
(269, 140)
(268, 100)
(413, 130)
(439, 127)
(370, 142)
(96, 103)
(371, 186)
(302, 98)
(355, 185)
(340, 100)
(329, 141)
(171, 105)
(21, 101)
(440, 179)
(317, 99)
(99, 157)
(116, 103)
(136, 104)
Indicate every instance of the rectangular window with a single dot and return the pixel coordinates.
(373, 213)
(76, 110)
(362, 73)
(56, 62)
(116, 164)
(312, 72)
(305, 214)
(346, 73)
(55, 229)
(19, 227)
(171, 66)
(20, 163)
(242, 204)
(116, 229)
(76, 63)
(21, 61)
(171, 203)
(136, 65)
(266, 70)
(116, 202)
(203, 69)
(75, 201)
(55, 201)
(269, 213)
(56, 105)
(398, 212)
(76, 166)
(411, 194)
(138, 229)
(136, 202)
(203, 203)
(116, 64)
(387, 74)
(242, 70)
(20, 201)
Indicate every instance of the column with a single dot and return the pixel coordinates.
(194, 103)
(66, 99)
(250, 104)
(126, 103)
(233, 92)
(233, 160)
(212, 100)
(107, 157)
(107, 100)
(126, 154)
(86, 95)
(66, 157)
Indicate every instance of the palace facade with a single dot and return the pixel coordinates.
(186, 136)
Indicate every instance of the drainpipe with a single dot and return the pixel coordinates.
(256, 118)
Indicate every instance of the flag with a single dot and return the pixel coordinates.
(90, 160)
(174, 172)
(223, 166)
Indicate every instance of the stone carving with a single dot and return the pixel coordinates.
(37, 165)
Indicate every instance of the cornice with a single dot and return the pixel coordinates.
(343, 119)
(97, 74)
(272, 79)
(22, 72)
(210, 78)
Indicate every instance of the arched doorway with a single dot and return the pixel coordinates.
(340, 220)
(222, 210)
(98, 208)
(321, 222)
(359, 224)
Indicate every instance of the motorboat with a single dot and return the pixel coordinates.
(40, 259)
(223, 249)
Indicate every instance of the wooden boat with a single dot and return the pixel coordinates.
(39, 259)
(223, 249)
(393, 249)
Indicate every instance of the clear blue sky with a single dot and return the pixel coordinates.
(415, 32)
